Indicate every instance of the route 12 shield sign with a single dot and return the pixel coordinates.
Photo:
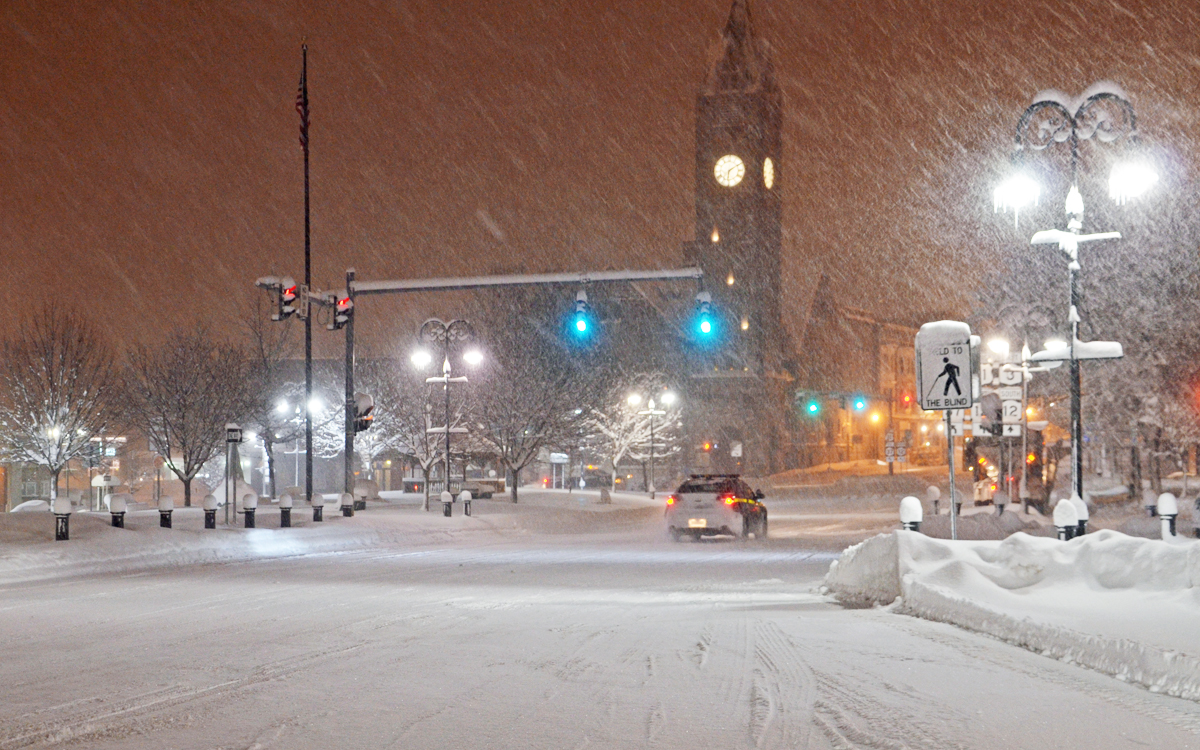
(944, 366)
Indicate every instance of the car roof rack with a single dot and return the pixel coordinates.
(714, 476)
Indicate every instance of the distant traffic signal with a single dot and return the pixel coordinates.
(581, 321)
(707, 446)
(813, 407)
(286, 290)
(343, 311)
(363, 406)
(859, 403)
(706, 322)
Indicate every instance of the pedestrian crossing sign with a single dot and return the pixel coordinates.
(943, 353)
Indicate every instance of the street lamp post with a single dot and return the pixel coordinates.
(651, 411)
(446, 336)
(1102, 113)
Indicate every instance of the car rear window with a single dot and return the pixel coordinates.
(707, 485)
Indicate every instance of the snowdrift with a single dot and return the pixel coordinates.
(1121, 605)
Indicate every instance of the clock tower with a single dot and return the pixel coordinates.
(743, 385)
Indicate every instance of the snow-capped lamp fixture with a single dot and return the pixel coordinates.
(1017, 192)
(421, 358)
(999, 347)
(1130, 179)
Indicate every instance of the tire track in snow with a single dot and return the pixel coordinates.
(783, 692)
(102, 719)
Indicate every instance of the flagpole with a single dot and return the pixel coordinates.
(308, 431)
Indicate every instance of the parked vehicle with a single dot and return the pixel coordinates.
(713, 504)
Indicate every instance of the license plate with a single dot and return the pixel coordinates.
(697, 523)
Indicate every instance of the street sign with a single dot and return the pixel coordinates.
(1011, 413)
(902, 454)
(1012, 430)
(943, 353)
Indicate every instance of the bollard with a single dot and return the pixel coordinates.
(318, 506)
(447, 499)
(117, 506)
(285, 511)
(933, 494)
(1150, 503)
(249, 507)
(1081, 512)
(911, 513)
(1066, 519)
(1168, 509)
(347, 501)
(62, 518)
(464, 497)
(166, 504)
(210, 512)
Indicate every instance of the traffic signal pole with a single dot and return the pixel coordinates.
(351, 406)
(356, 288)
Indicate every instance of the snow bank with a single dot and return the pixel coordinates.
(1121, 605)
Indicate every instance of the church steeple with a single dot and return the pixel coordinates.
(738, 242)
(742, 62)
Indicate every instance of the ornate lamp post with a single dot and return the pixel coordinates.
(1102, 113)
(446, 336)
(666, 399)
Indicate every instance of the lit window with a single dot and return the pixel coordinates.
(745, 324)
(729, 280)
(769, 173)
(716, 236)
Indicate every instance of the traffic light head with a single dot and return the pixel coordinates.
(859, 403)
(813, 408)
(581, 321)
(707, 446)
(363, 406)
(343, 311)
(706, 322)
(287, 298)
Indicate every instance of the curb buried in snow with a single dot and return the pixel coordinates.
(1016, 589)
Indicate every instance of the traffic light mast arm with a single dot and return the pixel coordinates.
(479, 282)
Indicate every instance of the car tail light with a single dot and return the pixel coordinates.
(729, 498)
(671, 499)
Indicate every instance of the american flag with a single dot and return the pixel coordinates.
(302, 107)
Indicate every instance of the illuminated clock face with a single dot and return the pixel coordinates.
(769, 173)
(729, 170)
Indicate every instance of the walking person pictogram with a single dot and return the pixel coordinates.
(950, 373)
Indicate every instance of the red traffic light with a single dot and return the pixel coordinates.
(706, 447)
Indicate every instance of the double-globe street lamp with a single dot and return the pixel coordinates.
(1102, 113)
(444, 337)
(651, 411)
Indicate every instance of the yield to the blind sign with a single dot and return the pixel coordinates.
(944, 365)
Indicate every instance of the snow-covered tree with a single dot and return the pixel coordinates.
(272, 397)
(616, 429)
(182, 392)
(532, 393)
(57, 390)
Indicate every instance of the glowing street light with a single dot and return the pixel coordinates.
(421, 358)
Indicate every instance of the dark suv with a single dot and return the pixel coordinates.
(710, 504)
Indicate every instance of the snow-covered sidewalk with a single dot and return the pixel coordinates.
(1122, 605)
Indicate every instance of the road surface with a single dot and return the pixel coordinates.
(509, 637)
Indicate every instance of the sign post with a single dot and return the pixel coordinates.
(943, 350)
(233, 436)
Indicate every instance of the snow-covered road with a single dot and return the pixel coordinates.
(510, 638)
